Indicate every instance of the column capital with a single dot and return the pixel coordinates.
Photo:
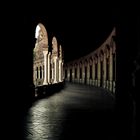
(45, 52)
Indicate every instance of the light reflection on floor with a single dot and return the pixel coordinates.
(46, 118)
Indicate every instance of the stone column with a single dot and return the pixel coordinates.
(67, 73)
(60, 70)
(34, 76)
(72, 68)
(114, 82)
(78, 73)
(98, 71)
(49, 67)
(110, 70)
(52, 72)
(83, 72)
(60, 64)
(104, 70)
(39, 72)
(76, 79)
(45, 53)
(55, 69)
(88, 73)
(73, 73)
(93, 72)
(42, 73)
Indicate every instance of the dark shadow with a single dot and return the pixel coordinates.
(85, 125)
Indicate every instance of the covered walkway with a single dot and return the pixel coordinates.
(76, 112)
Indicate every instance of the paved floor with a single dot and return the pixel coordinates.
(76, 112)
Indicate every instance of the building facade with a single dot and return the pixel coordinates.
(47, 62)
(97, 68)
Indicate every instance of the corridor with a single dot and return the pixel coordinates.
(76, 112)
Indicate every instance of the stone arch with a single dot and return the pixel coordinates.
(96, 65)
(90, 60)
(41, 34)
(75, 64)
(107, 50)
(86, 62)
(54, 46)
(75, 70)
(40, 46)
(101, 55)
(113, 43)
(80, 69)
(80, 63)
(70, 67)
(95, 58)
(85, 70)
(113, 40)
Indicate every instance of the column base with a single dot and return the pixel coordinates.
(114, 86)
(104, 84)
(55, 82)
(98, 83)
(45, 83)
(110, 86)
(107, 84)
(60, 80)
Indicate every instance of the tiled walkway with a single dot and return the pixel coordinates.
(76, 112)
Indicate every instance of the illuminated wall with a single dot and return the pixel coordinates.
(47, 65)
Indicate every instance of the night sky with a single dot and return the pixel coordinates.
(79, 31)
